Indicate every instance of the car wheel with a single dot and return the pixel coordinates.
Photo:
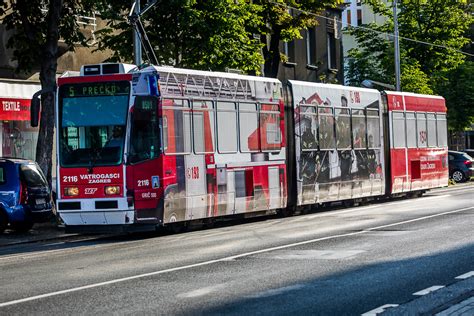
(22, 227)
(3, 221)
(458, 176)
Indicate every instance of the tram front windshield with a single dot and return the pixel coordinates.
(92, 121)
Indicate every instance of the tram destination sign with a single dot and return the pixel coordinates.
(91, 89)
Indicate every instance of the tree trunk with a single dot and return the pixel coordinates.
(271, 54)
(49, 65)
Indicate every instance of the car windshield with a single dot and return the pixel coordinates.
(92, 118)
(32, 176)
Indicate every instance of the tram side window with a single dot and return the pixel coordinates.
(431, 122)
(359, 129)
(178, 132)
(308, 128)
(411, 130)
(203, 126)
(270, 134)
(226, 127)
(343, 129)
(248, 128)
(398, 130)
(421, 129)
(442, 130)
(145, 136)
(373, 128)
(327, 139)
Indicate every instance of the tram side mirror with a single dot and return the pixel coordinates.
(34, 111)
(35, 106)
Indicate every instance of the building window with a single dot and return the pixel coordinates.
(310, 47)
(359, 3)
(331, 51)
(359, 17)
(289, 48)
(349, 17)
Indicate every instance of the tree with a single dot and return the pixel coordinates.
(440, 22)
(208, 35)
(217, 34)
(457, 87)
(37, 30)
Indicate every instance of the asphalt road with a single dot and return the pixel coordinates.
(342, 262)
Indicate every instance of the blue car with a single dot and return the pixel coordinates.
(25, 197)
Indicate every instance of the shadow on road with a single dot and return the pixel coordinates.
(351, 292)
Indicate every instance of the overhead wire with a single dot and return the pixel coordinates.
(372, 30)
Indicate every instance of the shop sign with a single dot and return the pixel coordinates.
(14, 109)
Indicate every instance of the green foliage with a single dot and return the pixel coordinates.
(209, 35)
(414, 79)
(457, 87)
(441, 22)
(214, 34)
(31, 22)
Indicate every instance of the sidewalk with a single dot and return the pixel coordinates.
(39, 232)
(465, 308)
(453, 300)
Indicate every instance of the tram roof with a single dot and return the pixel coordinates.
(215, 74)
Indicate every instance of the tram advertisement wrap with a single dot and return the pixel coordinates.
(338, 143)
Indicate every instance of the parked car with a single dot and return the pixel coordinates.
(460, 166)
(470, 152)
(25, 197)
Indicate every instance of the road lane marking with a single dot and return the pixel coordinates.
(379, 310)
(428, 290)
(313, 254)
(202, 291)
(465, 275)
(205, 263)
(279, 291)
(362, 208)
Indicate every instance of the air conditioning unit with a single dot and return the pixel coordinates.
(106, 69)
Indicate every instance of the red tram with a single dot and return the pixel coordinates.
(147, 147)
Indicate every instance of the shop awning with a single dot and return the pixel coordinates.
(15, 98)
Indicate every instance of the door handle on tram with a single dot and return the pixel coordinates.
(168, 172)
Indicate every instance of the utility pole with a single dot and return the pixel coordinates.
(397, 46)
(137, 46)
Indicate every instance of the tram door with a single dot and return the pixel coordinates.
(195, 168)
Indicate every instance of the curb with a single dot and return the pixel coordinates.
(436, 302)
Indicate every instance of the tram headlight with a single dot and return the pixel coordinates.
(71, 191)
(112, 190)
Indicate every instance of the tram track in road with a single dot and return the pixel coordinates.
(218, 260)
(76, 242)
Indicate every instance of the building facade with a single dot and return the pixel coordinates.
(356, 14)
(317, 56)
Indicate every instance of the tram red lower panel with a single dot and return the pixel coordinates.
(415, 169)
